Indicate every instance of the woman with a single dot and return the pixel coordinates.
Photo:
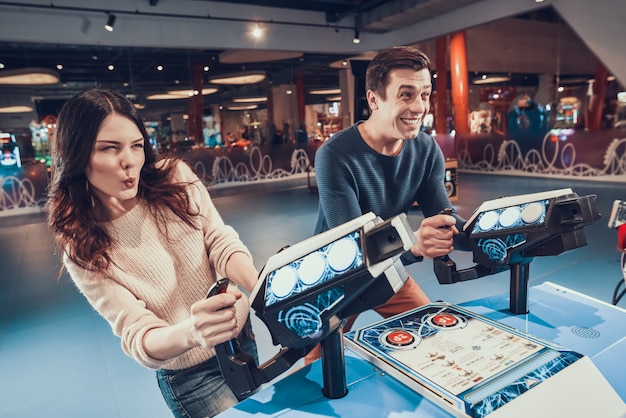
(143, 242)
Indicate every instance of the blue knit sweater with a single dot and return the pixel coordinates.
(353, 179)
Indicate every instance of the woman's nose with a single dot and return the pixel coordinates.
(127, 159)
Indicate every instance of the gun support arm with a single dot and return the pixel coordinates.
(446, 272)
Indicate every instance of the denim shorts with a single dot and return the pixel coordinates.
(200, 391)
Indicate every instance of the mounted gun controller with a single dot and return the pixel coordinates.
(509, 232)
(305, 291)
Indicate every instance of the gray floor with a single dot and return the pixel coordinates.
(60, 359)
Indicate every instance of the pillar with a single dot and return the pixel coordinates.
(459, 79)
(196, 106)
(596, 102)
(300, 94)
(441, 114)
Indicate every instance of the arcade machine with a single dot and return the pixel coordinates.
(617, 220)
(468, 365)
(10, 151)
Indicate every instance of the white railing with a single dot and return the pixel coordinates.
(554, 159)
(17, 195)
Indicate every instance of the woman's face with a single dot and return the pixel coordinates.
(116, 160)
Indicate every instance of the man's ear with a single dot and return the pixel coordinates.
(372, 100)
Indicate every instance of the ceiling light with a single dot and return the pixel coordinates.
(111, 67)
(16, 109)
(240, 78)
(325, 91)
(246, 56)
(257, 31)
(159, 68)
(164, 96)
(29, 76)
(188, 93)
(491, 79)
(356, 38)
(110, 22)
(180, 94)
(250, 99)
(244, 107)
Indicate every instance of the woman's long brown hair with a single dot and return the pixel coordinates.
(70, 205)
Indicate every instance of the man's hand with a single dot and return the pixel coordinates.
(434, 236)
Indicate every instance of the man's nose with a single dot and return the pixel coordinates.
(418, 106)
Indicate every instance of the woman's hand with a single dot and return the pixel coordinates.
(213, 320)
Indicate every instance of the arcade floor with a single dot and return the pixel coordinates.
(60, 359)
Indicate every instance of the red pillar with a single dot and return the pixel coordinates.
(460, 93)
(196, 106)
(441, 103)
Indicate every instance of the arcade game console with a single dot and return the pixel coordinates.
(475, 367)
(469, 365)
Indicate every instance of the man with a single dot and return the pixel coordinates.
(386, 163)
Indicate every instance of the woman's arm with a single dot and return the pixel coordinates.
(241, 270)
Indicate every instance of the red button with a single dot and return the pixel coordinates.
(400, 338)
(444, 320)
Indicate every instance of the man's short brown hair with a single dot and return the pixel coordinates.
(377, 74)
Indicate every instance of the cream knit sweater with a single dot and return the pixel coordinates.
(153, 280)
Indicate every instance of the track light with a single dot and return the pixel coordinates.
(110, 22)
(356, 39)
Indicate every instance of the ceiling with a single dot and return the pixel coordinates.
(135, 67)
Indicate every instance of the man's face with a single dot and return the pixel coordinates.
(401, 114)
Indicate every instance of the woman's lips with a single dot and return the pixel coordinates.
(130, 183)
